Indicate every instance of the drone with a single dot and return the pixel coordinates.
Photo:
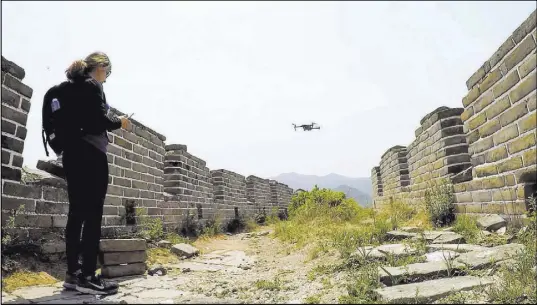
(307, 127)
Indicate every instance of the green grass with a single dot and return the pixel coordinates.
(313, 299)
(21, 279)
(274, 285)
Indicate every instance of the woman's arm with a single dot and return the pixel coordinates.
(98, 118)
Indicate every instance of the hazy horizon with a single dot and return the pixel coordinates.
(229, 78)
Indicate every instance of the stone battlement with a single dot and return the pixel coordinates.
(163, 181)
(487, 149)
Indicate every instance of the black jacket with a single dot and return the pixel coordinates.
(87, 107)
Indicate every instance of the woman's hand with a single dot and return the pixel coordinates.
(124, 121)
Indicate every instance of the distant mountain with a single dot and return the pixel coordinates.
(331, 181)
(360, 197)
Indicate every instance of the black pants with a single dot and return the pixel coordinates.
(86, 171)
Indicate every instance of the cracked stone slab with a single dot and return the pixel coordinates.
(440, 256)
(400, 235)
(461, 248)
(430, 291)
(483, 259)
(449, 238)
(491, 222)
(381, 252)
(416, 272)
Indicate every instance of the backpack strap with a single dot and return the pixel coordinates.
(43, 135)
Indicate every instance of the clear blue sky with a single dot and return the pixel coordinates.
(229, 78)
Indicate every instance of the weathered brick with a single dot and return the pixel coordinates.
(113, 149)
(11, 98)
(490, 80)
(59, 221)
(528, 123)
(132, 193)
(505, 134)
(467, 113)
(19, 190)
(21, 132)
(504, 195)
(525, 28)
(55, 194)
(15, 84)
(493, 182)
(473, 207)
(122, 182)
(507, 83)
(6, 157)
(13, 144)
(478, 75)
(115, 190)
(496, 154)
(12, 203)
(507, 46)
(529, 157)
(139, 185)
(463, 197)
(526, 86)
(472, 95)
(528, 66)
(17, 161)
(25, 104)
(532, 102)
(473, 136)
(8, 127)
(35, 221)
(121, 142)
(14, 115)
(477, 121)
(493, 208)
(482, 145)
(459, 209)
(510, 180)
(498, 107)
(486, 170)
(132, 156)
(514, 113)
(521, 143)
(518, 54)
(112, 200)
(47, 207)
(477, 160)
(489, 128)
(483, 101)
(141, 150)
(10, 173)
(510, 164)
(122, 162)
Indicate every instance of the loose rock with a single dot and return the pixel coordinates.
(491, 222)
(164, 244)
(185, 250)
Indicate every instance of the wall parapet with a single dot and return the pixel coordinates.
(487, 148)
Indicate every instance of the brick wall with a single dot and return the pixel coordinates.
(15, 107)
(258, 192)
(164, 181)
(488, 148)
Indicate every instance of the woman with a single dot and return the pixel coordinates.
(86, 168)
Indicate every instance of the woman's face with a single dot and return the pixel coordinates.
(101, 73)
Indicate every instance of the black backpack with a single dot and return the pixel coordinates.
(55, 119)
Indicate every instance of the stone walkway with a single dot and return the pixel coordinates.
(230, 272)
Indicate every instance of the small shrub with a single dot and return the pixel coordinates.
(150, 227)
(213, 226)
(269, 285)
(439, 200)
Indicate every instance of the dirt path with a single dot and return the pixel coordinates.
(243, 268)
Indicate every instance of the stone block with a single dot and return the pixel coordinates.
(13, 144)
(505, 134)
(184, 250)
(510, 164)
(468, 113)
(24, 191)
(122, 245)
(483, 101)
(123, 270)
(118, 258)
(8, 127)
(529, 157)
(489, 128)
(496, 154)
(490, 80)
(486, 170)
(481, 146)
(526, 86)
(518, 54)
(515, 112)
(491, 222)
(471, 96)
(522, 143)
(528, 123)
(479, 196)
(493, 182)
(477, 121)
(528, 66)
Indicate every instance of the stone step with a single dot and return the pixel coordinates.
(461, 248)
(122, 245)
(123, 270)
(381, 252)
(417, 272)
(429, 291)
(400, 235)
(118, 258)
(490, 256)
